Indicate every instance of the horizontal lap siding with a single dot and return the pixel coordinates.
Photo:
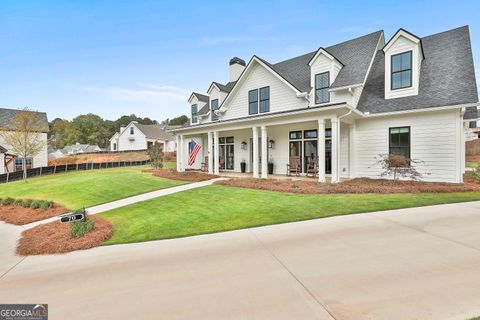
(433, 140)
(282, 98)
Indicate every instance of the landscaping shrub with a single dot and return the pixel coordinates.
(81, 227)
(36, 204)
(8, 201)
(45, 205)
(18, 202)
(27, 203)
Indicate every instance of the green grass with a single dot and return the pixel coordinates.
(87, 188)
(171, 165)
(472, 164)
(219, 208)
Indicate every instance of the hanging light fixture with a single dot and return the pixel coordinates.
(243, 145)
(271, 143)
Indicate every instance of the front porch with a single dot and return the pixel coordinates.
(232, 174)
(230, 150)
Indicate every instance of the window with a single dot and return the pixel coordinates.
(114, 147)
(322, 83)
(310, 134)
(472, 124)
(194, 113)
(400, 141)
(132, 130)
(264, 99)
(226, 153)
(402, 70)
(19, 164)
(294, 135)
(253, 101)
(213, 107)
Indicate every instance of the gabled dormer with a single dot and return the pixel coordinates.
(324, 68)
(199, 106)
(403, 60)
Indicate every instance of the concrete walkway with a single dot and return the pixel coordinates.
(418, 263)
(134, 199)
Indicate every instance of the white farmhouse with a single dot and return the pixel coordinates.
(10, 162)
(343, 105)
(136, 136)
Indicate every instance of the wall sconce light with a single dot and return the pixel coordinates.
(271, 143)
(243, 145)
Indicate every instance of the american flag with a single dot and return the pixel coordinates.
(193, 149)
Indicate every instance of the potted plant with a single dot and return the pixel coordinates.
(243, 166)
(270, 165)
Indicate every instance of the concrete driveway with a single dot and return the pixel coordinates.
(421, 263)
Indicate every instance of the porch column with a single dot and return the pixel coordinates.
(321, 150)
(210, 152)
(182, 155)
(255, 152)
(264, 153)
(351, 150)
(216, 153)
(335, 148)
(179, 151)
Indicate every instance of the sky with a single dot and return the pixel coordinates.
(139, 57)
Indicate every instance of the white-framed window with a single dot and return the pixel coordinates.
(132, 130)
(401, 70)
(194, 113)
(322, 84)
(19, 164)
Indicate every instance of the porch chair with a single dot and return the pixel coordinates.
(312, 168)
(204, 165)
(293, 167)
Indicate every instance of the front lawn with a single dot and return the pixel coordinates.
(87, 188)
(219, 208)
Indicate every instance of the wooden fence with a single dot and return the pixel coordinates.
(18, 175)
(472, 148)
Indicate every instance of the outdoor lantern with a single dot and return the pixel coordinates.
(271, 143)
(244, 145)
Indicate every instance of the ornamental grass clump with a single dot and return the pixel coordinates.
(81, 227)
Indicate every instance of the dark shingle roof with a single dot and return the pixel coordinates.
(471, 113)
(203, 110)
(447, 76)
(201, 97)
(225, 87)
(355, 54)
(7, 116)
(154, 131)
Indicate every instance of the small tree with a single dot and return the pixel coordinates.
(398, 166)
(24, 137)
(155, 152)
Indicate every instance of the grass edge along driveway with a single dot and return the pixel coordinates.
(219, 208)
(78, 189)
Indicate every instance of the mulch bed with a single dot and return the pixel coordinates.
(354, 186)
(191, 176)
(55, 237)
(19, 215)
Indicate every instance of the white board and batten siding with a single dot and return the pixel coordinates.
(282, 97)
(434, 139)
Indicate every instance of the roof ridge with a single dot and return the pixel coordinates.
(11, 109)
(439, 33)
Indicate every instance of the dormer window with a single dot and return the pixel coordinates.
(194, 113)
(213, 107)
(132, 130)
(322, 84)
(402, 70)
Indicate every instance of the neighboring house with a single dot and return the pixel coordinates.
(80, 148)
(472, 132)
(138, 136)
(55, 153)
(10, 162)
(347, 104)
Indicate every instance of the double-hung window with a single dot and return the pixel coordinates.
(264, 99)
(132, 130)
(322, 83)
(214, 107)
(402, 70)
(253, 101)
(400, 141)
(194, 113)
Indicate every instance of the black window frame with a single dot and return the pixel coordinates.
(322, 88)
(409, 141)
(214, 116)
(250, 102)
(132, 130)
(194, 114)
(401, 70)
(260, 100)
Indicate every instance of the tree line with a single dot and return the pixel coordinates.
(93, 129)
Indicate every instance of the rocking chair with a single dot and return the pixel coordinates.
(204, 165)
(312, 168)
(293, 167)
